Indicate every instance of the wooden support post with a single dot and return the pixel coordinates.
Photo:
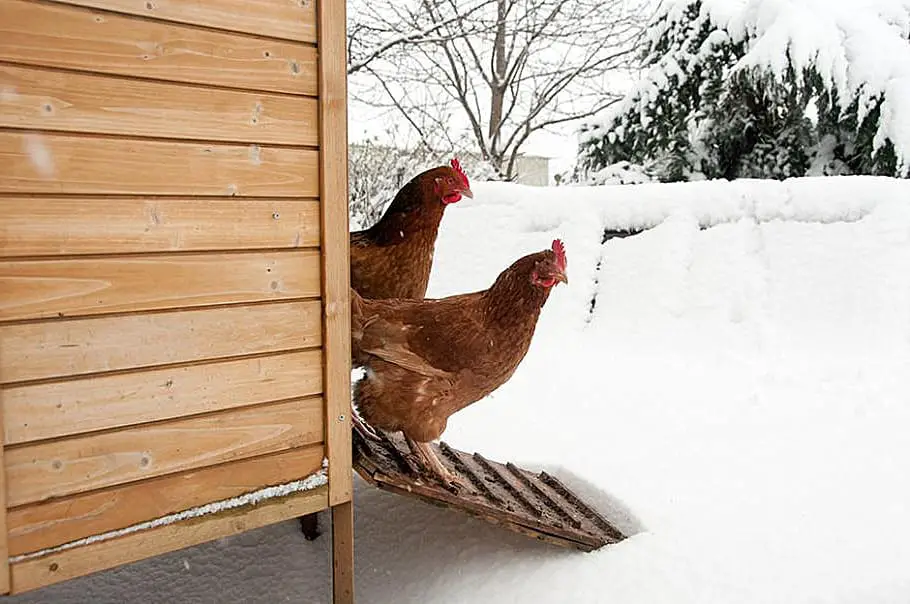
(336, 274)
(343, 553)
(309, 525)
(336, 284)
(4, 547)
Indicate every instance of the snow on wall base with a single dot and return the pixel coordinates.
(315, 480)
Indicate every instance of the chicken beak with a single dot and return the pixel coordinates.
(561, 276)
(467, 193)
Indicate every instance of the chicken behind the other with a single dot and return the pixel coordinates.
(427, 359)
(393, 258)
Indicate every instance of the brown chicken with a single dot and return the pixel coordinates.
(427, 359)
(393, 258)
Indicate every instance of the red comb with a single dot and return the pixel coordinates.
(560, 250)
(456, 165)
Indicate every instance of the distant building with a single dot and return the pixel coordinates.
(532, 170)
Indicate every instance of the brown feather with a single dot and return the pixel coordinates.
(394, 257)
(427, 359)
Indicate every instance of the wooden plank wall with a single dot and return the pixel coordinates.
(162, 262)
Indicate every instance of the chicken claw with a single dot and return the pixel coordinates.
(429, 461)
(365, 429)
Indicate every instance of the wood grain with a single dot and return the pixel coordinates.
(86, 225)
(53, 568)
(64, 163)
(343, 553)
(335, 253)
(84, 405)
(44, 525)
(41, 289)
(81, 39)
(38, 472)
(47, 99)
(288, 19)
(34, 351)
(4, 535)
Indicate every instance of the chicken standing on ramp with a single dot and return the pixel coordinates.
(427, 359)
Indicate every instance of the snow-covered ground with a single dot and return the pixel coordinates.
(737, 398)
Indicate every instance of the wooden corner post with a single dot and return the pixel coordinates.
(4, 547)
(333, 171)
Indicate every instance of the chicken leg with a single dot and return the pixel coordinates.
(365, 429)
(429, 460)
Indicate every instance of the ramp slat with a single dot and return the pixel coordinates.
(535, 505)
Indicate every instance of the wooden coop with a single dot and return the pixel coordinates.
(174, 318)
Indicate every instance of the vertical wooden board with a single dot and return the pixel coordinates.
(343, 553)
(45, 570)
(48, 99)
(44, 289)
(4, 545)
(36, 527)
(336, 275)
(42, 471)
(33, 162)
(287, 19)
(55, 35)
(49, 226)
(57, 349)
(56, 409)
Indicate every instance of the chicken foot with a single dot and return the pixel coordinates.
(428, 459)
(366, 429)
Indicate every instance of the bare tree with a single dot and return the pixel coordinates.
(495, 71)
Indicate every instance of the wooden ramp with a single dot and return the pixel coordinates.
(536, 505)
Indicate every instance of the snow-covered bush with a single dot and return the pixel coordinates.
(376, 172)
(621, 173)
(764, 89)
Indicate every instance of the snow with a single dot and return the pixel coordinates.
(620, 173)
(740, 388)
(736, 400)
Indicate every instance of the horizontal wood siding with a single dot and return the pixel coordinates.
(37, 472)
(73, 102)
(64, 163)
(38, 572)
(59, 349)
(43, 525)
(84, 405)
(161, 272)
(42, 289)
(55, 35)
(288, 19)
(116, 225)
